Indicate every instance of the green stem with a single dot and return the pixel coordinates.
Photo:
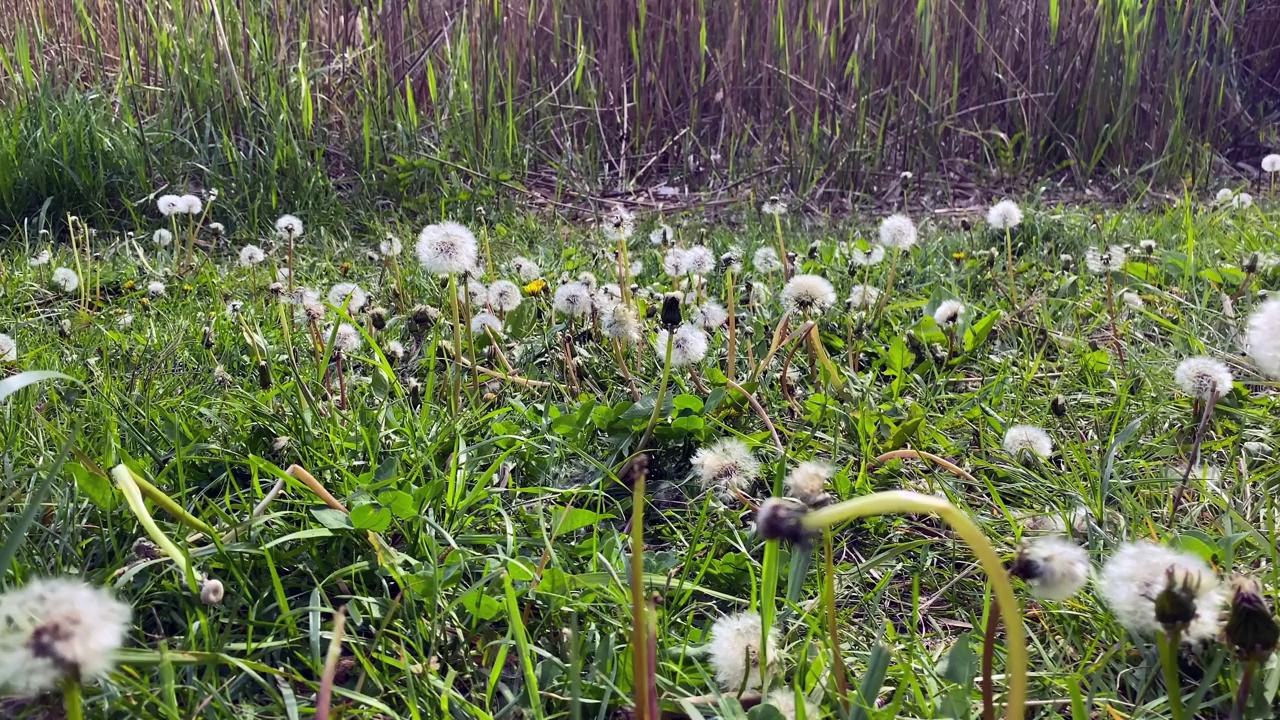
(662, 393)
(1008, 253)
(1168, 644)
(72, 700)
(455, 383)
(639, 641)
(833, 626)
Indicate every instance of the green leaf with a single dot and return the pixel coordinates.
(899, 358)
(400, 503)
(371, 517)
(686, 402)
(94, 486)
(765, 712)
(977, 332)
(332, 519)
(11, 385)
(18, 531)
(566, 520)
(904, 433)
(387, 470)
(962, 664)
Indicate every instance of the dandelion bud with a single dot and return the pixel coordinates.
(378, 316)
(1058, 405)
(671, 317)
(264, 375)
(783, 519)
(212, 592)
(991, 259)
(965, 225)
(1176, 604)
(276, 289)
(144, 549)
(207, 340)
(414, 388)
(813, 250)
(1250, 631)
(424, 316)
(1251, 263)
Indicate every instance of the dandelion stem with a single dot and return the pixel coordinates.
(731, 359)
(1168, 644)
(922, 455)
(662, 393)
(989, 661)
(1242, 692)
(455, 383)
(1008, 252)
(1194, 457)
(888, 288)
(899, 501)
(833, 626)
(639, 642)
(342, 383)
(764, 416)
(72, 700)
(782, 248)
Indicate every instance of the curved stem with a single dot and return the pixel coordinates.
(662, 393)
(764, 416)
(899, 501)
(922, 455)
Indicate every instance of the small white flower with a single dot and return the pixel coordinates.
(808, 483)
(808, 294)
(170, 205)
(155, 288)
(162, 237)
(251, 255)
(58, 629)
(1203, 378)
(1004, 215)
(1262, 338)
(526, 269)
(898, 231)
(948, 313)
(726, 467)
(8, 349)
(347, 295)
(1271, 163)
(688, 347)
(66, 279)
(766, 260)
(734, 650)
(289, 227)
(1138, 572)
(504, 296)
(1053, 567)
(709, 315)
(482, 321)
(572, 299)
(662, 235)
(447, 248)
(1021, 439)
(871, 256)
(863, 296)
(1101, 262)
(390, 247)
(621, 324)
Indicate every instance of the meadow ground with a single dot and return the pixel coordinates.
(334, 500)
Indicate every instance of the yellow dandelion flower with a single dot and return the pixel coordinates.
(129, 285)
(537, 287)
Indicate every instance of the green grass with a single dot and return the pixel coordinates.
(497, 584)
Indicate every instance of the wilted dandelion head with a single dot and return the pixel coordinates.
(289, 227)
(863, 296)
(662, 235)
(1004, 215)
(621, 324)
(873, 255)
(807, 483)
(526, 269)
(808, 294)
(1021, 439)
(217, 228)
(1148, 247)
(1138, 572)
(766, 260)
(155, 288)
(774, 206)
(8, 349)
(898, 231)
(251, 255)
(66, 279)
(391, 246)
(1052, 566)
(709, 316)
(726, 468)
(948, 313)
(447, 248)
(482, 321)
(347, 295)
(688, 345)
(734, 650)
(162, 237)
(572, 299)
(504, 296)
(234, 308)
(1203, 377)
(697, 260)
(1271, 163)
(1262, 338)
(55, 630)
(1101, 262)
(619, 224)
(170, 205)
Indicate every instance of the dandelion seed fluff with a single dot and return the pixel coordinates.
(1004, 215)
(619, 224)
(8, 349)
(41, 258)
(482, 321)
(347, 340)
(191, 204)
(349, 295)
(726, 468)
(774, 206)
(710, 315)
(863, 296)
(688, 347)
(948, 313)
(873, 255)
(898, 231)
(1242, 201)
(572, 299)
(809, 294)
(504, 296)
(807, 483)
(637, 268)
(1053, 567)
(1021, 439)
(475, 294)
(662, 235)
(766, 260)
(155, 288)
(58, 629)
(621, 324)
(1224, 195)
(734, 650)
(66, 279)
(1136, 574)
(1271, 163)
(697, 260)
(233, 308)
(526, 269)
(1203, 377)
(447, 248)
(289, 227)
(251, 255)
(391, 246)
(673, 262)
(1262, 338)
(1132, 300)
(1101, 262)
(162, 237)
(170, 205)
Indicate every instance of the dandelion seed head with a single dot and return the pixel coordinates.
(1021, 439)
(948, 313)
(1242, 201)
(289, 227)
(572, 299)
(66, 279)
(447, 248)
(673, 262)
(391, 246)
(873, 255)
(251, 255)
(688, 345)
(162, 237)
(807, 483)
(8, 349)
(526, 269)
(1053, 567)
(621, 324)
(662, 235)
(726, 468)
(1262, 338)
(863, 296)
(1148, 247)
(155, 288)
(170, 205)
(482, 321)
(765, 260)
(697, 260)
(1137, 572)
(1101, 262)
(348, 295)
(808, 294)
(474, 293)
(784, 699)
(504, 296)
(774, 206)
(1271, 163)
(898, 231)
(1004, 215)
(233, 308)
(734, 650)
(619, 224)
(709, 316)
(347, 340)
(1132, 300)
(1224, 195)
(1203, 377)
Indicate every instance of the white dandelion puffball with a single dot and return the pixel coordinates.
(621, 324)
(1203, 377)
(1004, 215)
(391, 246)
(283, 274)
(619, 224)
(1271, 163)
(589, 279)
(217, 228)
(289, 227)
(948, 313)
(251, 255)
(66, 279)
(1053, 567)
(162, 237)
(637, 268)
(605, 297)
(726, 467)
(1224, 195)
(808, 483)
(504, 296)
(662, 235)
(766, 260)
(898, 231)
(1148, 247)
(1262, 338)
(784, 699)
(1021, 439)
(346, 339)
(774, 206)
(688, 347)
(863, 296)
(170, 205)
(697, 260)
(1101, 262)
(1132, 300)
(1242, 201)
(873, 255)
(673, 262)
(234, 307)
(348, 296)
(191, 204)
(155, 288)
(572, 299)
(447, 248)
(1139, 571)
(475, 294)
(526, 269)
(734, 650)
(8, 349)
(58, 629)
(709, 315)
(40, 258)
(482, 321)
(808, 294)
